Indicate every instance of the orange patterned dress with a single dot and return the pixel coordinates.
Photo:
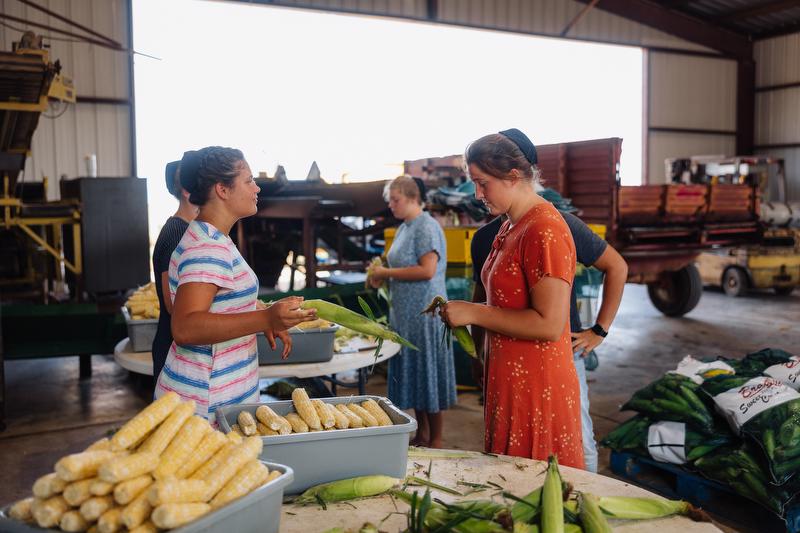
(532, 406)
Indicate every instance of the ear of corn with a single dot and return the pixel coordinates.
(101, 488)
(238, 457)
(22, 510)
(306, 409)
(325, 417)
(252, 475)
(552, 500)
(103, 444)
(461, 333)
(592, 518)
(177, 491)
(215, 461)
(377, 411)
(630, 508)
(110, 521)
(137, 511)
(48, 512)
(272, 420)
(144, 422)
(348, 489)
(172, 515)
(181, 446)
(146, 527)
(95, 506)
(48, 485)
(73, 521)
(351, 320)
(237, 430)
(210, 444)
(82, 465)
(264, 431)
(247, 423)
(275, 474)
(125, 492)
(78, 492)
(366, 416)
(128, 467)
(161, 437)
(354, 420)
(342, 422)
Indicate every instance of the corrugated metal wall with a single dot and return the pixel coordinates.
(60, 144)
(691, 109)
(778, 104)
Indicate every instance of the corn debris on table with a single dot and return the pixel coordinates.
(162, 469)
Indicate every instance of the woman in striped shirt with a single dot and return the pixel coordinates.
(213, 359)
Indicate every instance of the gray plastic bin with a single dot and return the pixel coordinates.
(140, 332)
(258, 512)
(308, 346)
(322, 456)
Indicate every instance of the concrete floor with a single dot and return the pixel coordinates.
(51, 412)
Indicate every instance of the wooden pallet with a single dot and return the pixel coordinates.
(674, 482)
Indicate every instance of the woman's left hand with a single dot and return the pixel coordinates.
(457, 313)
(585, 341)
(378, 273)
(287, 342)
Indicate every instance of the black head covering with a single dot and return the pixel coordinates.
(190, 165)
(169, 172)
(421, 187)
(523, 143)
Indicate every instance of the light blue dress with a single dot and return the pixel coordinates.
(423, 380)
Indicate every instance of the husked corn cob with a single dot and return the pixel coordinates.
(93, 529)
(73, 521)
(22, 510)
(212, 442)
(146, 527)
(125, 492)
(143, 423)
(137, 511)
(353, 419)
(365, 416)
(101, 488)
(306, 409)
(273, 420)
(177, 491)
(377, 411)
(128, 467)
(238, 457)
(48, 485)
(236, 429)
(47, 513)
(297, 423)
(172, 515)
(181, 446)
(103, 444)
(161, 437)
(211, 465)
(252, 475)
(325, 416)
(82, 465)
(264, 430)
(110, 521)
(247, 423)
(274, 474)
(92, 508)
(340, 420)
(78, 492)
(235, 438)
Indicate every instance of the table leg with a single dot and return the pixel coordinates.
(85, 366)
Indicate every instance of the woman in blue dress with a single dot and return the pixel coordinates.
(422, 380)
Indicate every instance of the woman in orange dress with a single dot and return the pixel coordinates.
(532, 404)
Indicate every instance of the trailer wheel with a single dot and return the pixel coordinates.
(783, 291)
(734, 282)
(678, 292)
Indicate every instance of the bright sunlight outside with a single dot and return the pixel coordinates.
(359, 95)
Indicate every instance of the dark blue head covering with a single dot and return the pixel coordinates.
(190, 166)
(523, 143)
(171, 169)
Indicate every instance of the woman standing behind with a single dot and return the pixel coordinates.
(532, 406)
(423, 380)
(213, 359)
(167, 241)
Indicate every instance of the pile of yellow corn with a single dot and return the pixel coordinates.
(143, 303)
(310, 415)
(163, 469)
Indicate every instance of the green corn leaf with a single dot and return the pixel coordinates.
(365, 307)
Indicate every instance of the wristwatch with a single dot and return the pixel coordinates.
(597, 329)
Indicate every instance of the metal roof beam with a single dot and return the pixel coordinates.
(691, 29)
(755, 11)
